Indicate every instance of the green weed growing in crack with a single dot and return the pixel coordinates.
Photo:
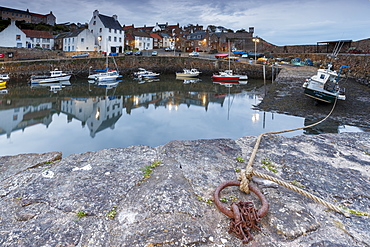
(267, 164)
(206, 200)
(81, 214)
(112, 213)
(239, 159)
(148, 170)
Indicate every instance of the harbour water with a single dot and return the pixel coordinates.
(81, 116)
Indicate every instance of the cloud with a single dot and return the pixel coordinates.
(280, 22)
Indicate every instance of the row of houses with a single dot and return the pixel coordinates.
(27, 16)
(105, 34)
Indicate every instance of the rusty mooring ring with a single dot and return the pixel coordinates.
(261, 212)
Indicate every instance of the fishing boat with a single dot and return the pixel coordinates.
(4, 77)
(2, 84)
(188, 73)
(228, 75)
(55, 76)
(105, 75)
(324, 85)
(145, 74)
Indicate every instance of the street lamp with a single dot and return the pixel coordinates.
(255, 40)
(99, 39)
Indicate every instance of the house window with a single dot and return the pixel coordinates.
(110, 30)
(82, 40)
(115, 39)
(120, 39)
(109, 38)
(115, 30)
(19, 45)
(120, 31)
(100, 30)
(94, 23)
(18, 37)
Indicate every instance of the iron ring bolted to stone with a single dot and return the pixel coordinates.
(261, 212)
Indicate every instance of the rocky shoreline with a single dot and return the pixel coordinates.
(163, 196)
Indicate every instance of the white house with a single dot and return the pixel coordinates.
(79, 40)
(42, 39)
(143, 41)
(12, 36)
(108, 32)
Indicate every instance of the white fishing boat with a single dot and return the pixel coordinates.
(105, 75)
(188, 73)
(145, 74)
(324, 85)
(55, 76)
(4, 77)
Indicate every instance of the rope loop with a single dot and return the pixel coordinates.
(245, 177)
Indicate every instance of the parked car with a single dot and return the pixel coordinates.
(138, 53)
(167, 49)
(194, 54)
(154, 53)
(129, 53)
(83, 54)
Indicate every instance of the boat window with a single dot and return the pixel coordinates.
(322, 76)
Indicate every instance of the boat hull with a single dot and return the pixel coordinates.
(49, 79)
(225, 78)
(322, 96)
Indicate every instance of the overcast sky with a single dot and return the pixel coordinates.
(281, 22)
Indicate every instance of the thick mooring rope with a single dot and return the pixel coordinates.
(246, 175)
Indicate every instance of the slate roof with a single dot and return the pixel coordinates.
(110, 22)
(74, 33)
(141, 34)
(14, 10)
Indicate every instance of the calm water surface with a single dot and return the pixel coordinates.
(85, 117)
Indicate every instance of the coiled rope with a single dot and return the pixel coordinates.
(247, 173)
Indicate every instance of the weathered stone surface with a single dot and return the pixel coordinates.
(40, 199)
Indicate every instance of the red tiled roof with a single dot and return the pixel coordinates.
(129, 36)
(37, 34)
(38, 15)
(127, 27)
(155, 36)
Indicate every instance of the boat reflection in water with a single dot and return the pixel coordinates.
(52, 86)
(188, 81)
(130, 114)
